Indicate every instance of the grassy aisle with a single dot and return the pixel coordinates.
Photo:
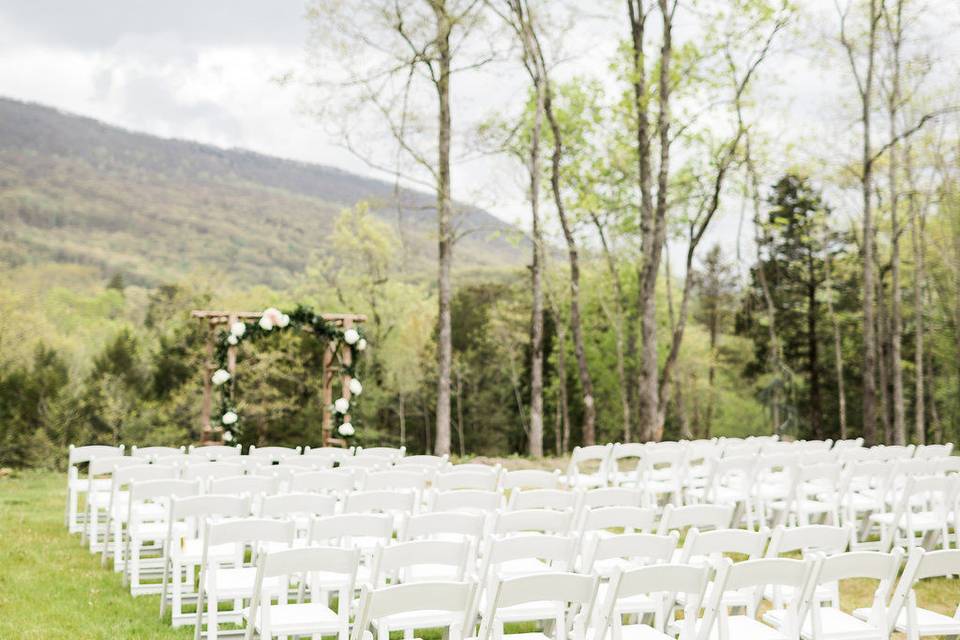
(51, 587)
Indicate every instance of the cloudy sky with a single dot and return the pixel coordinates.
(208, 70)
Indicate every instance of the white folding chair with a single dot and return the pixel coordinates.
(625, 458)
(234, 580)
(396, 504)
(588, 467)
(307, 616)
(420, 605)
(425, 461)
(753, 576)
(543, 499)
(833, 623)
(215, 452)
(603, 556)
(77, 485)
(530, 479)
(299, 507)
(444, 525)
(335, 482)
(420, 561)
(528, 521)
(730, 481)
(813, 494)
(206, 471)
(905, 616)
(713, 548)
(253, 486)
(157, 453)
(398, 480)
(659, 475)
(466, 500)
(363, 531)
(921, 515)
(701, 516)
(335, 454)
(811, 541)
(475, 480)
(118, 507)
(184, 547)
(273, 454)
(145, 524)
(99, 490)
(933, 451)
(659, 585)
(553, 597)
(391, 453)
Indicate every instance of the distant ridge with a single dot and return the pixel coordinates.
(76, 190)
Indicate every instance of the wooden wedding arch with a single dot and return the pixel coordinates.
(333, 367)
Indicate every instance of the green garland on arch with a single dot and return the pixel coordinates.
(271, 322)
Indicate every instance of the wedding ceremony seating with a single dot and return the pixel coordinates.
(719, 539)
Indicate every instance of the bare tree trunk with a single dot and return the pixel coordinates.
(618, 321)
(919, 277)
(837, 351)
(896, 322)
(776, 350)
(460, 431)
(445, 231)
(562, 387)
(813, 353)
(403, 420)
(576, 325)
(521, 21)
(865, 91)
(652, 215)
(883, 349)
(536, 323)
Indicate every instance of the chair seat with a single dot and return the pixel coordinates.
(747, 628)
(190, 551)
(929, 623)
(642, 632)
(306, 618)
(82, 485)
(536, 610)
(835, 625)
(155, 530)
(238, 583)
(420, 619)
(522, 567)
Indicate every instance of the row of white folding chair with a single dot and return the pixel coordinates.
(548, 594)
(78, 486)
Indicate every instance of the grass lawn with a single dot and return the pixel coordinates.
(51, 587)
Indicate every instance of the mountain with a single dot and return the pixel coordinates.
(75, 190)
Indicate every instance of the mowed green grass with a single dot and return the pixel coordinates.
(51, 587)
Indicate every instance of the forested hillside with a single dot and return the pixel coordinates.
(74, 190)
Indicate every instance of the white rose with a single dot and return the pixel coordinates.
(227, 436)
(274, 314)
(220, 376)
(362, 344)
(238, 329)
(355, 387)
(284, 320)
(266, 323)
(351, 336)
(232, 339)
(229, 417)
(342, 405)
(346, 430)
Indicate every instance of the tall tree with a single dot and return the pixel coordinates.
(518, 16)
(717, 290)
(399, 49)
(653, 209)
(864, 75)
